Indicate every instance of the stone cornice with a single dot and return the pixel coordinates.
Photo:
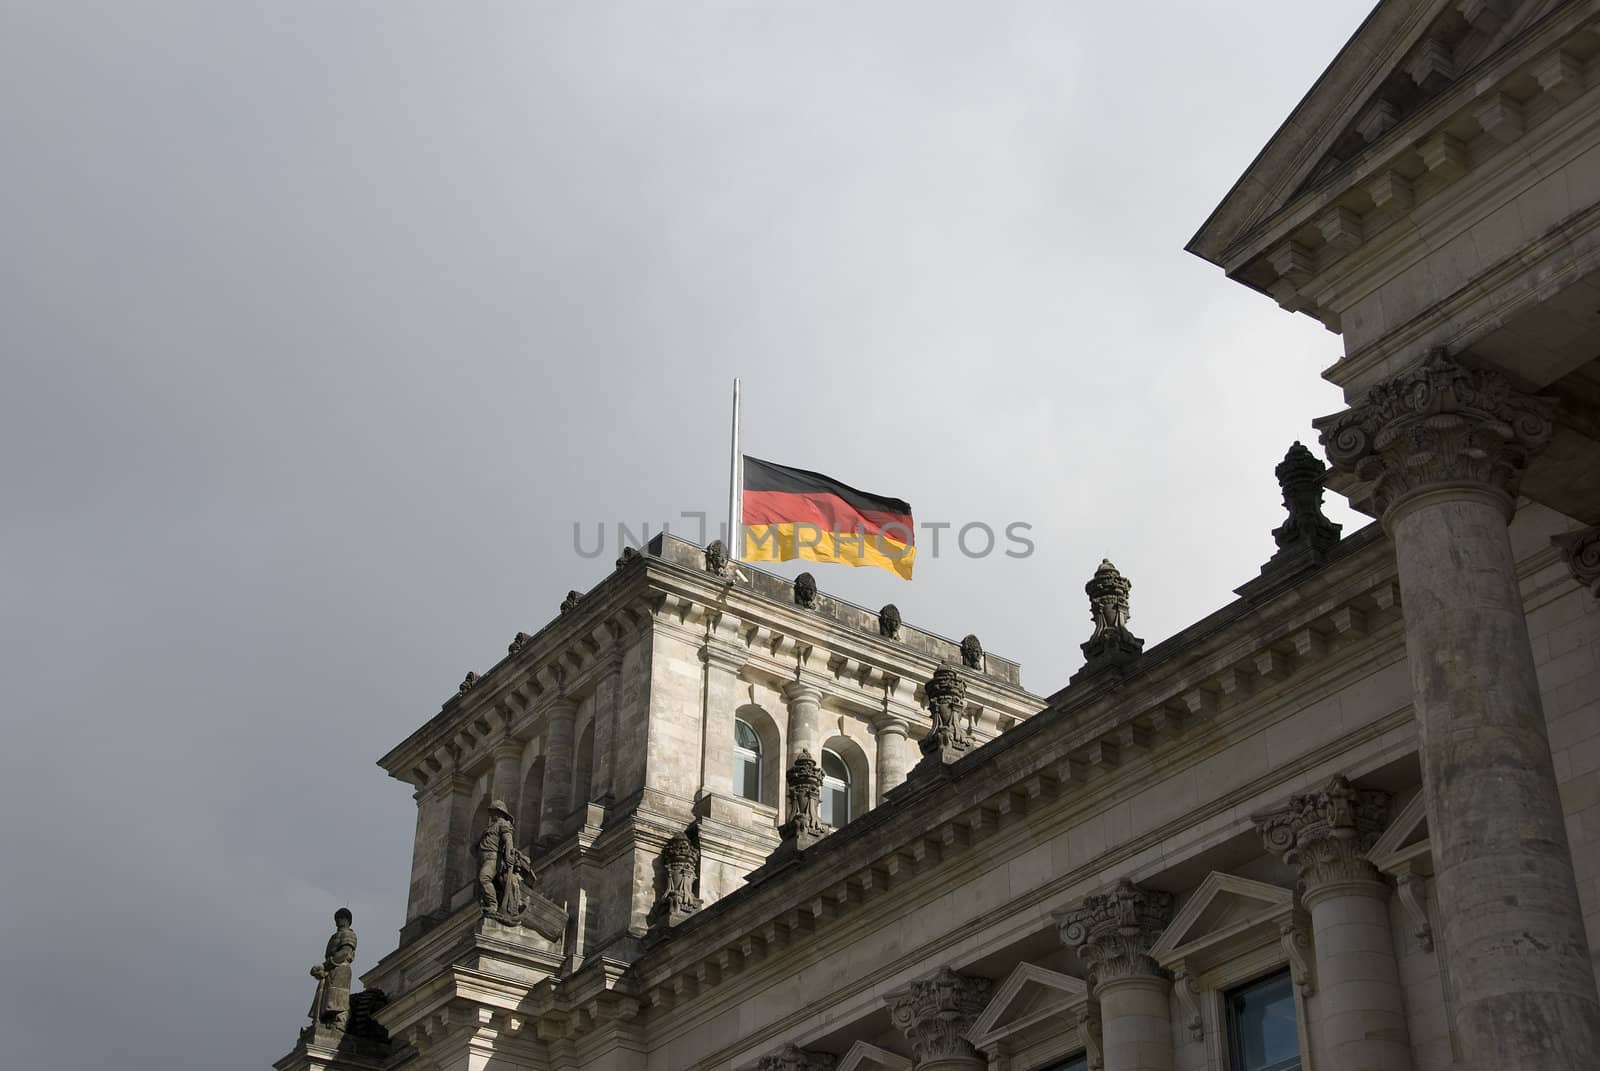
(1348, 607)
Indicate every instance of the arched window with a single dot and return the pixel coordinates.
(746, 761)
(835, 789)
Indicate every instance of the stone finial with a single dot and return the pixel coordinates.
(570, 603)
(680, 864)
(972, 652)
(794, 1058)
(889, 621)
(805, 591)
(1581, 549)
(627, 555)
(1438, 424)
(950, 734)
(1327, 833)
(1111, 645)
(1112, 932)
(469, 682)
(717, 558)
(1306, 537)
(518, 642)
(804, 782)
(935, 1013)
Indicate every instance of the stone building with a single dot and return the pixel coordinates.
(1350, 821)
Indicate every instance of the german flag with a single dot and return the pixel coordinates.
(793, 513)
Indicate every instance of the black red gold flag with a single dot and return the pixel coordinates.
(795, 513)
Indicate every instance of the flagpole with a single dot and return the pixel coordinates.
(735, 491)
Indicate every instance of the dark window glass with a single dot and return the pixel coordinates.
(746, 737)
(1261, 1026)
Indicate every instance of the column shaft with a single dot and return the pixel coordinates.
(1136, 1024)
(1358, 1018)
(891, 755)
(558, 768)
(803, 700)
(608, 697)
(507, 773)
(1517, 954)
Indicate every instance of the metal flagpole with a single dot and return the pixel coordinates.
(735, 488)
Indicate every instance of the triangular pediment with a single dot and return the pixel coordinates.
(865, 1056)
(1029, 995)
(1405, 841)
(1379, 90)
(1224, 909)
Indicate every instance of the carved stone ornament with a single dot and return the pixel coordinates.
(1582, 552)
(804, 826)
(505, 880)
(950, 734)
(1307, 537)
(889, 622)
(680, 861)
(627, 555)
(330, 1008)
(469, 682)
(972, 652)
(935, 1013)
(717, 558)
(794, 1058)
(570, 603)
(1187, 989)
(1296, 944)
(805, 591)
(1089, 1034)
(1112, 932)
(1327, 833)
(518, 642)
(1437, 425)
(1111, 645)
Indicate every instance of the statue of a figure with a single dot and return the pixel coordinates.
(805, 798)
(681, 861)
(570, 603)
(972, 652)
(805, 591)
(947, 708)
(717, 558)
(331, 1006)
(497, 862)
(469, 682)
(889, 622)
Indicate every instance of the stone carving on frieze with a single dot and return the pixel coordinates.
(506, 880)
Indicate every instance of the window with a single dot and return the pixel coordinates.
(1261, 1029)
(746, 761)
(835, 789)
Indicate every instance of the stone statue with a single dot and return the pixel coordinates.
(717, 558)
(947, 707)
(468, 682)
(518, 642)
(805, 801)
(680, 860)
(570, 603)
(331, 1006)
(506, 880)
(805, 591)
(889, 622)
(972, 652)
(1111, 645)
(627, 555)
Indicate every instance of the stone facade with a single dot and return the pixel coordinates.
(1369, 787)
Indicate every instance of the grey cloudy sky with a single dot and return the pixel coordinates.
(323, 322)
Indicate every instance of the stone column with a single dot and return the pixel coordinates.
(720, 699)
(558, 769)
(803, 700)
(1444, 448)
(935, 1013)
(1112, 933)
(892, 765)
(608, 697)
(1359, 1017)
(507, 783)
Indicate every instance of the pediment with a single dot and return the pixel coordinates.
(1377, 95)
(1404, 844)
(1223, 913)
(1030, 994)
(865, 1056)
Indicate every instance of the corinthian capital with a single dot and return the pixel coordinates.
(935, 1013)
(1327, 833)
(1437, 425)
(794, 1058)
(1112, 932)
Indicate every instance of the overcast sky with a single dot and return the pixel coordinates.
(324, 322)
